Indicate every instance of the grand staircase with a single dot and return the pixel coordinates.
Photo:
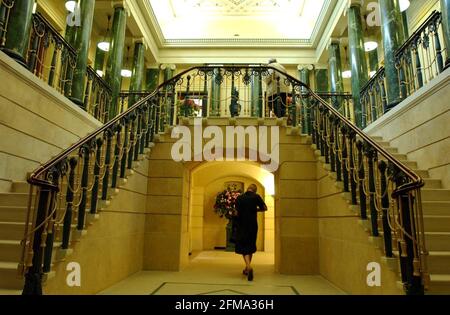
(436, 211)
(126, 140)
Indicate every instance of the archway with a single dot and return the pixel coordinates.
(206, 230)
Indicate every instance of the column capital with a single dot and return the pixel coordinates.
(121, 4)
(309, 67)
(170, 66)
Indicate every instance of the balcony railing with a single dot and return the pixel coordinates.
(52, 59)
(5, 9)
(381, 187)
(373, 97)
(419, 60)
(97, 100)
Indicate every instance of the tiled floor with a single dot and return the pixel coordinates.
(219, 272)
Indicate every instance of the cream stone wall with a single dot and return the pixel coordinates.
(166, 240)
(113, 248)
(296, 225)
(344, 247)
(419, 127)
(36, 122)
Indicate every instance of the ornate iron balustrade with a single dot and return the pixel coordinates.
(128, 99)
(419, 60)
(98, 95)
(50, 56)
(5, 9)
(373, 97)
(421, 57)
(78, 180)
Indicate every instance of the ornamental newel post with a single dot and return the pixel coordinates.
(412, 282)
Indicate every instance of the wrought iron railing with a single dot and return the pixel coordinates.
(421, 58)
(97, 99)
(128, 99)
(77, 181)
(373, 97)
(5, 9)
(50, 57)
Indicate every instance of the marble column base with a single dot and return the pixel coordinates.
(16, 56)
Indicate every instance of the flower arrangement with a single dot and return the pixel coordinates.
(188, 108)
(225, 205)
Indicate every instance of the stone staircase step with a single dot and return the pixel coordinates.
(10, 250)
(12, 230)
(432, 183)
(20, 187)
(9, 278)
(436, 207)
(14, 199)
(435, 194)
(439, 284)
(436, 223)
(391, 150)
(439, 262)
(13, 214)
(437, 241)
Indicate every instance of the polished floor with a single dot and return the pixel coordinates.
(220, 273)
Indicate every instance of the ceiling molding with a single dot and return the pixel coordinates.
(339, 10)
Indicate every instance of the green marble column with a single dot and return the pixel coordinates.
(137, 77)
(257, 96)
(445, 9)
(151, 80)
(405, 25)
(335, 68)
(82, 41)
(19, 29)
(169, 111)
(358, 60)
(168, 73)
(373, 60)
(321, 76)
(393, 33)
(70, 34)
(115, 60)
(215, 94)
(99, 63)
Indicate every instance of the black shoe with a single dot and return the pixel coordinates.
(250, 275)
(245, 272)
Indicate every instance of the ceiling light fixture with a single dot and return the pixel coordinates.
(71, 5)
(404, 5)
(104, 45)
(370, 45)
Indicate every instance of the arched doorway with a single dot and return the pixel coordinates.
(206, 229)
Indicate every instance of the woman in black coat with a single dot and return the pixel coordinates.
(247, 206)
